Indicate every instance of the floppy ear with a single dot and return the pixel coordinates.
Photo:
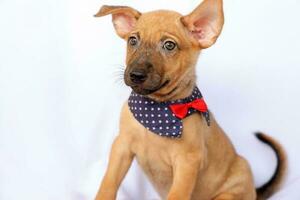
(205, 22)
(124, 18)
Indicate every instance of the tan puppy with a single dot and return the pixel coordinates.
(163, 47)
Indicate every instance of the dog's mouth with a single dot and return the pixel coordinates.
(144, 91)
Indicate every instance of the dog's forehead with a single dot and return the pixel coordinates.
(156, 22)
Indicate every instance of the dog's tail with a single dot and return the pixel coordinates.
(269, 188)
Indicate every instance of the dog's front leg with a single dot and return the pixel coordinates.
(185, 169)
(119, 162)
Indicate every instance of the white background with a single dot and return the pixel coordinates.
(61, 92)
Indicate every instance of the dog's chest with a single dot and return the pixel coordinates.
(154, 157)
(156, 154)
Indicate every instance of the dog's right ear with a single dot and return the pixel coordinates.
(124, 18)
(205, 23)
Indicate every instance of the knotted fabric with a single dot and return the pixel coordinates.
(165, 118)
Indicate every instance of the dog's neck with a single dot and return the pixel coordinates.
(180, 91)
(165, 118)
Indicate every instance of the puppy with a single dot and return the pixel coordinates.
(165, 124)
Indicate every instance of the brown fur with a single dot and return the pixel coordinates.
(202, 164)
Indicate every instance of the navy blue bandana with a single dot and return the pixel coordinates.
(165, 118)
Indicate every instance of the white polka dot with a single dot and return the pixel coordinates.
(160, 128)
(166, 108)
(159, 115)
(167, 133)
(146, 108)
(153, 128)
(135, 114)
(140, 101)
(167, 127)
(158, 108)
(166, 115)
(174, 133)
(152, 115)
(153, 122)
(141, 115)
(152, 108)
(147, 121)
(146, 115)
(140, 108)
(146, 102)
(142, 121)
(135, 101)
(167, 121)
(174, 127)
(159, 121)
(152, 102)
(173, 120)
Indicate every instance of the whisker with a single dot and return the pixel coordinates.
(118, 75)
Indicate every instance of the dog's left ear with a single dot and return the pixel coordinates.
(205, 23)
(124, 18)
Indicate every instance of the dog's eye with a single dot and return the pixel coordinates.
(132, 41)
(169, 45)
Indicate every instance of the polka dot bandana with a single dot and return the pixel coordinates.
(158, 117)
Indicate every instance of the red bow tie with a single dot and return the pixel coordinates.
(181, 110)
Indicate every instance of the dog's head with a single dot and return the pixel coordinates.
(163, 46)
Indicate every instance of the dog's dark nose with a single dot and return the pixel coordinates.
(138, 76)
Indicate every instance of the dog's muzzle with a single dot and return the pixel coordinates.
(138, 76)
